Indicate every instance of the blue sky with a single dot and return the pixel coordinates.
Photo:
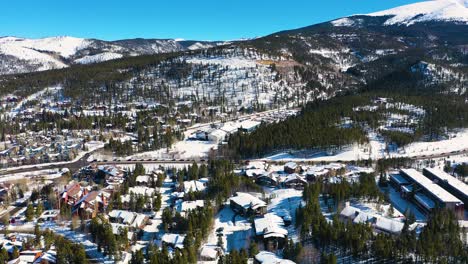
(202, 19)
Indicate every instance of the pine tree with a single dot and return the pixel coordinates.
(29, 213)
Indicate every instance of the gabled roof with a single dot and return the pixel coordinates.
(174, 239)
(73, 190)
(291, 165)
(266, 257)
(294, 177)
(271, 225)
(189, 205)
(247, 201)
(195, 185)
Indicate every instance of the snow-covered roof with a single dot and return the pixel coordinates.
(255, 165)
(220, 134)
(189, 205)
(48, 257)
(255, 172)
(174, 239)
(195, 185)
(431, 187)
(317, 171)
(266, 257)
(389, 225)
(270, 224)
(249, 124)
(247, 201)
(379, 222)
(350, 211)
(229, 127)
(293, 177)
(449, 179)
(126, 216)
(109, 169)
(363, 217)
(143, 178)
(291, 165)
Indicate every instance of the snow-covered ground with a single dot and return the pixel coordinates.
(402, 204)
(236, 231)
(32, 97)
(45, 174)
(286, 200)
(105, 56)
(376, 149)
(186, 149)
(152, 230)
(84, 240)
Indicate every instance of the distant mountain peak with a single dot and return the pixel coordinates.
(427, 11)
(437, 10)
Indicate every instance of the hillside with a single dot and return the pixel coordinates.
(21, 55)
(288, 68)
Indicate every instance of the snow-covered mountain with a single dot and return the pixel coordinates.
(383, 47)
(19, 55)
(438, 10)
(421, 47)
(427, 11)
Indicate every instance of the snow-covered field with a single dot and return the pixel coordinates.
(186, 149)
(376, 149)
(45, 174)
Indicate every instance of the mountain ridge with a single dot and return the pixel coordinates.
(21, 55)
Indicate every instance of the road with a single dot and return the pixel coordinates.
(76, 165)
(124, 162)
(73, 166)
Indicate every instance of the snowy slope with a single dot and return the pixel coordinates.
(105, 56)
(19, 55)
(63, 46)
(437, 10)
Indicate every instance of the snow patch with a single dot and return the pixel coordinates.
(105, 56)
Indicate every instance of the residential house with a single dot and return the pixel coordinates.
(246, 204)
(270, 228)
(292, 167)
(294, 181)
